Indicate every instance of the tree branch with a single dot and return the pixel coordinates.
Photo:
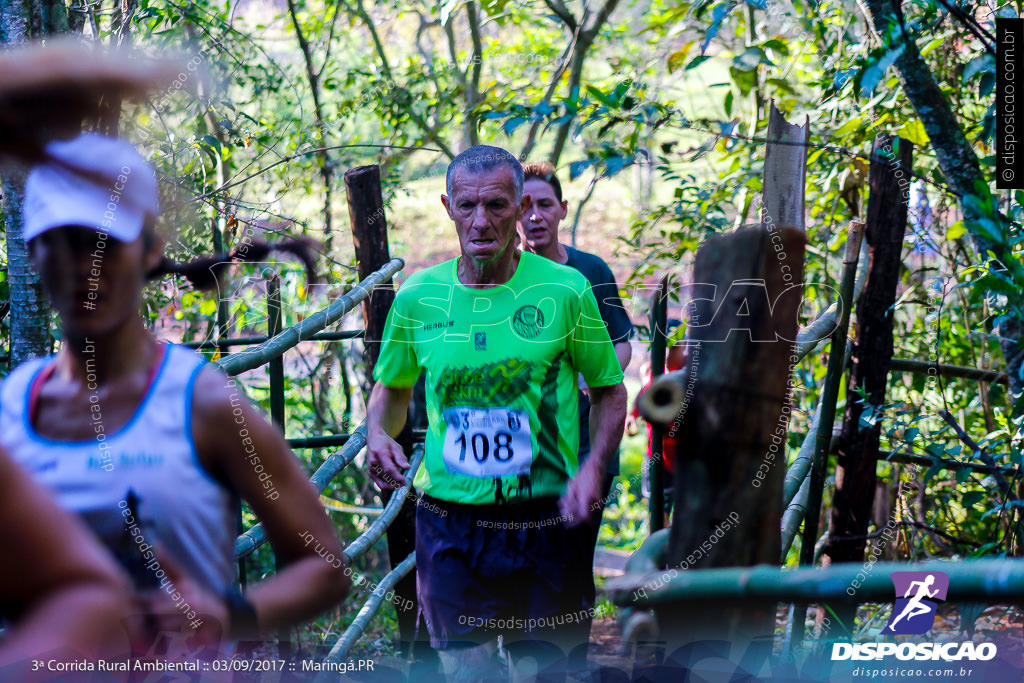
(430, 131)
(586, 39)
(472, 135)
(531, 138)
(326, 165)
(563, 13)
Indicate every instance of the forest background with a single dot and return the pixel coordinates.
(654, 113)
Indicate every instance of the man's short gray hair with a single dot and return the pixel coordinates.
(484, 158)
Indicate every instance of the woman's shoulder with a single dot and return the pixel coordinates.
(17, 382)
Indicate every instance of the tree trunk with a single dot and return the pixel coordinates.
(956, 158)
(20, 22)
(858, 447)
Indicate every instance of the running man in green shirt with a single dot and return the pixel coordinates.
(502, 335)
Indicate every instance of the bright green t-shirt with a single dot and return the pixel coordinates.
(502, 365)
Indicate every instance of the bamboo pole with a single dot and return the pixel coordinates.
(381, 524)
(797, 504)
(637, 624)
(275, 368)
(366, 613)
(336, 335)
(335, 462)
(830, 392)
(319, 441)
(242, 361)
(247, 543)
(987, 580)
(947, 463)
(828, 399)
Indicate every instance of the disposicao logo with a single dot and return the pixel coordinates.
(914, 612)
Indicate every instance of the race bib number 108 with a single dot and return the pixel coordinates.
(489, 442)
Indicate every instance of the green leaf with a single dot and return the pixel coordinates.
(871, 76)
(956, 231)
(982, 551)
(972, 498)
(748, 59)
(697, 61)
(718, 15)
(913, 131)
(984, 63)
(728, 103)
(602, 98)
(677, 58)
(578, 167)
(848, 127)
(932, 471)
(777, 45)
(987, 83)
(969, 613)
(543, 109)
(618, 96)
(510, 126)
(208, 307)
(615, 164)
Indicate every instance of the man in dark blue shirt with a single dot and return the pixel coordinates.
(538, 232)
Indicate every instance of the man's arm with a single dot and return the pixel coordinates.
(385, 417)
(607, 416)
(624, 352)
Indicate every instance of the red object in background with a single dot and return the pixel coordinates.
(675, 361)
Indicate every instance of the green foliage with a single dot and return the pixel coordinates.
(677, 90)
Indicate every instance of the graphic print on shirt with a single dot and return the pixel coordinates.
(486, 434)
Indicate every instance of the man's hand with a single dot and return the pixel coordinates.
(582, 497)
(385, 415)
(631, 426)
(386, 460)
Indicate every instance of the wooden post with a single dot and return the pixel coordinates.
(730, 459)
(370, 237)
(728, 467)
(785, 170)
(858, 446)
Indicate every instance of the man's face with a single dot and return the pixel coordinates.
(484, 209)
(539, 225)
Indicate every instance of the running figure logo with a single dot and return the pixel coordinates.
(914, 612)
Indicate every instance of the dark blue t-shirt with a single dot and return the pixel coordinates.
(620, 329)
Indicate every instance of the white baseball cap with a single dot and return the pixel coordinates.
(93, 181)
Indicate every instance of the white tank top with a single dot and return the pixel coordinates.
(147, 472)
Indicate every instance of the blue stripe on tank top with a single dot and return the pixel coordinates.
(32, 434)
